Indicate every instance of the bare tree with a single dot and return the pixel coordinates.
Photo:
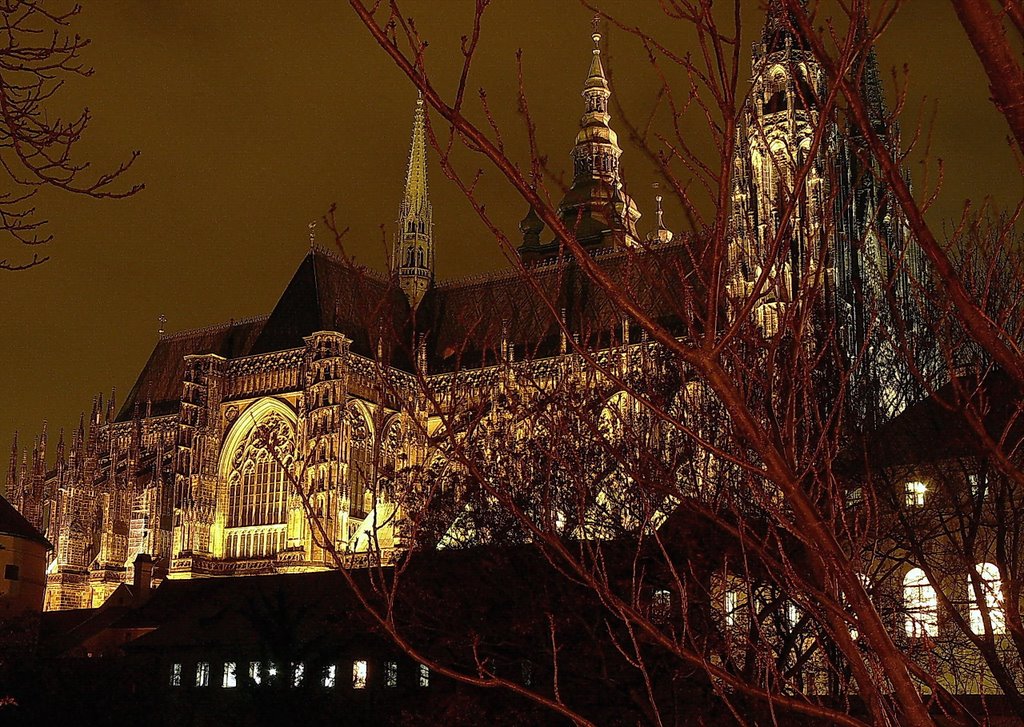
(37, 144)
(698, 463)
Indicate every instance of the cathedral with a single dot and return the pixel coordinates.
(277, 443)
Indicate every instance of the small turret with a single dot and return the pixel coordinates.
(12, 469)
(660, 235)
(532, 227)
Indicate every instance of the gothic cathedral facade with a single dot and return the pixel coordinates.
(274, 444)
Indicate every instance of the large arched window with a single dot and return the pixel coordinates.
(989, 591)
(922, 615)
(258, 485)
(360, 461)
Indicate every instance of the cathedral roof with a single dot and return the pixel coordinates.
(462, 322)
(328, 293)
(160, 380)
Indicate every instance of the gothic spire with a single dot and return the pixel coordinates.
(413, 255)
(781, 30)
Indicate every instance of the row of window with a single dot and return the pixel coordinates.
(922, 617)
(920, 599)
(915, 492)
(328, 677)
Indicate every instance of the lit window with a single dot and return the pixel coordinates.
(914, 493)
(732, 606)
(391, 673)
(792, 614)
(854, 497)
(990, 584)
(298, 670)
(229, 679)
(978, 485)
(329, 674)
(203, 674)
(922, 617)
(175, 675)
(255, 672)
(359, 674)
(271, 671)
(424, 675)
(661, 605)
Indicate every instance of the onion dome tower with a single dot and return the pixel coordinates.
(596, 207)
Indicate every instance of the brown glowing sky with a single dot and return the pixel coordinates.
(253, 117)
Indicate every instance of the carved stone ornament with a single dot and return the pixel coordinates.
(272, 434)
(358, 428)
(231, 413)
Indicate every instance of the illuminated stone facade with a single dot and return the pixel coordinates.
(233, 434)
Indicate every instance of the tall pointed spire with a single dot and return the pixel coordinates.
(412, 259)
(781, 30)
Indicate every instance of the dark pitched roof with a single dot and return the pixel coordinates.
(461, 321)
(465, 320)
(328, 293)
(935, 429)
(13, 522)
(160, 380)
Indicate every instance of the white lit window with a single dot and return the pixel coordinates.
(424, 675)
(977, 484)
(792, 614)
(255, 672)
(391, 673)
(203, 674)
(298, 671)
(329, 674)
(661, 605)
(271, 671)
(991, 588)
(922, 617)
(359, 674)
(914, 493)
(732, 606)
(230, 678)
(175, 675)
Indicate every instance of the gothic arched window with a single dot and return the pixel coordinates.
(360, 462)
(258, 486)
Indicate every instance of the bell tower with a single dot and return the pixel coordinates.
(780, 218)
(412, 258)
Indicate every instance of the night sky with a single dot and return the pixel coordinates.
(254, 117)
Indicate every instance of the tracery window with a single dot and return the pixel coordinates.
(258, 488)
(360, 462)
(990, 584)
(922, 615)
